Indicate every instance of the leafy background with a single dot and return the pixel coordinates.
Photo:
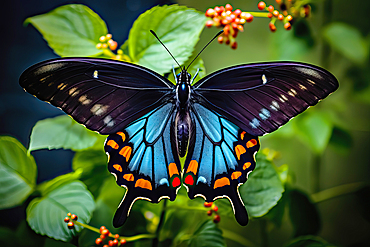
(326, 148)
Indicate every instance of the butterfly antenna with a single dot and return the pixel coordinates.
(205, 47)
(155, 35)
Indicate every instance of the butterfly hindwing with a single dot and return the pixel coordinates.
(104, 95)
(219, 160)
(142, 160)
(261, 97)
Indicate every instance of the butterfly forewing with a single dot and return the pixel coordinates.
(260, 98)
(104, 95)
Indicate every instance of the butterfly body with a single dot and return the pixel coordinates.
(161, 136)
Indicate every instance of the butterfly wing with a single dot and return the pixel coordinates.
(104, 95)
(221, 155)
(259, 98)
(141, 158)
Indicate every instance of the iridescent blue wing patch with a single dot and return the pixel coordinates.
(220, 158)
(261, 97)
(142, 160)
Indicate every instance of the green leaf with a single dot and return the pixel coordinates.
(208, 234)
(178, 27)
(71, 30)
(303, 214)
(197, 64)
(314, 128)
(48, 186)
(263, 189)
(45, 214)
(61, 132)
(275, 215)
(341, 140)
(309, 241)
(347, 40)
(18, 173)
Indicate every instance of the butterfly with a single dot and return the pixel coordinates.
(202, 135)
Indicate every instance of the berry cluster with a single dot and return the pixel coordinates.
(107, 41)
(213, 209)
(276, 15)
(70, 220)
(104, 234)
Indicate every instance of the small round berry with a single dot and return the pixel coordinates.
(208, 204)
(220, 39)
(226, 32)
(113, 45)
(235, 33)
(261, 5)
(287, 26)
(104, 46)
(210, 12)
(105, 245)
(218, 9)
(102, 38)
(228, 7)
(280, 17)
(209, 23)
(102, 228)
(233, 46)
(102, 236)
(116, 236)
(74, 217)
(209, 212)
(115, 242)
(278, 1)
(227, 41)
(110, 243)
(270, 8)
(289, 18)
(66, 219)
(98, 241)
(248, 17)
(234, 26)
(269, 15)
(217, 218)
(105, 232)
(108, 36)
(242, 21)
(215, 208)
(272, 27)
(237, 12)
(71, 225)
(222, 8)
(240, 28)
(122, 241)
(69, 214)
(275, 13)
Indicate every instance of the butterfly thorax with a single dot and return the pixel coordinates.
(183, 119)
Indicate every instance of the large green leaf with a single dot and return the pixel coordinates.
(45, 214)
(18, 173)
(197, 64)
(48, 186)
(71, 30)
(263, 189)
(348, 41)
(178, 27)
(61, 132)
(208, 234)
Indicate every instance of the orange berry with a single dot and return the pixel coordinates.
(227, 30)
(234, 25)
(233, 17)
(209, 212)
(289, 18)
(222, 9)
(105, 232)
(261, 5)
(116, 236)
(108, 36)
(217, 218)
(228, 7)
(248, 17)
(102, 236)
(242, 21)
(217, 9)
(208, 204)
(102, 228)
(123, 241)
(98, 241)
(240, 28)
(237, 12)
(115, 242)
(209, 23)
(71, 225)
(227, 41)
(270, 8)
(215, 208)
(110, 243)
(210, 12)
(105, 245)
(280, 17)
(272, 27)
(275, 13)
(287, 26)
(220, 39)
(278, 1)
(69, 214)
(66, 219)
(269, 15)
(74, 217)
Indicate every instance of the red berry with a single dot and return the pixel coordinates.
(287, 26)
(217, 9)
(237, 12)
(71, 225)
(66, 219)
(123, 241)
(210, 12)
(248, 17)
(110, 243)
(272, 27)
(116, 236)
(105, 245)
(217, 218)
(270, 8)
(74, 217)
(105, 232)
(261, 5)
(222, 9)
(215, 208)
(102, 236)
(208, 204)
(269, 15)
(98, 241)
(275, 13)
(220, 39)
(226, 32)
(233, 46)
(227, 41)
(209, 212)
(209, 23)
(280, 17)
(115, 242)
(102, 228)
(69, 214)
(235, 33)
(228, 7)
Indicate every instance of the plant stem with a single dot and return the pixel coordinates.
(161, 221)
(259, 14)
(337, 191)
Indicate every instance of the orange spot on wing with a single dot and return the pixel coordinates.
(193, 167)
(239, 150)
(113, 144)
(143, 183)
(251, 143)
(172, 169)
(246, 165)
(221, 182)
(236, 175)
(117, 167)
(129, 177)
(242, 135)
(126, 152)
(122, 135)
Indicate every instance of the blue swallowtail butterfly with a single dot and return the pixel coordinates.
(154, 125)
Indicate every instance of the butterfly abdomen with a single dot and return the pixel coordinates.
(183, 128)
